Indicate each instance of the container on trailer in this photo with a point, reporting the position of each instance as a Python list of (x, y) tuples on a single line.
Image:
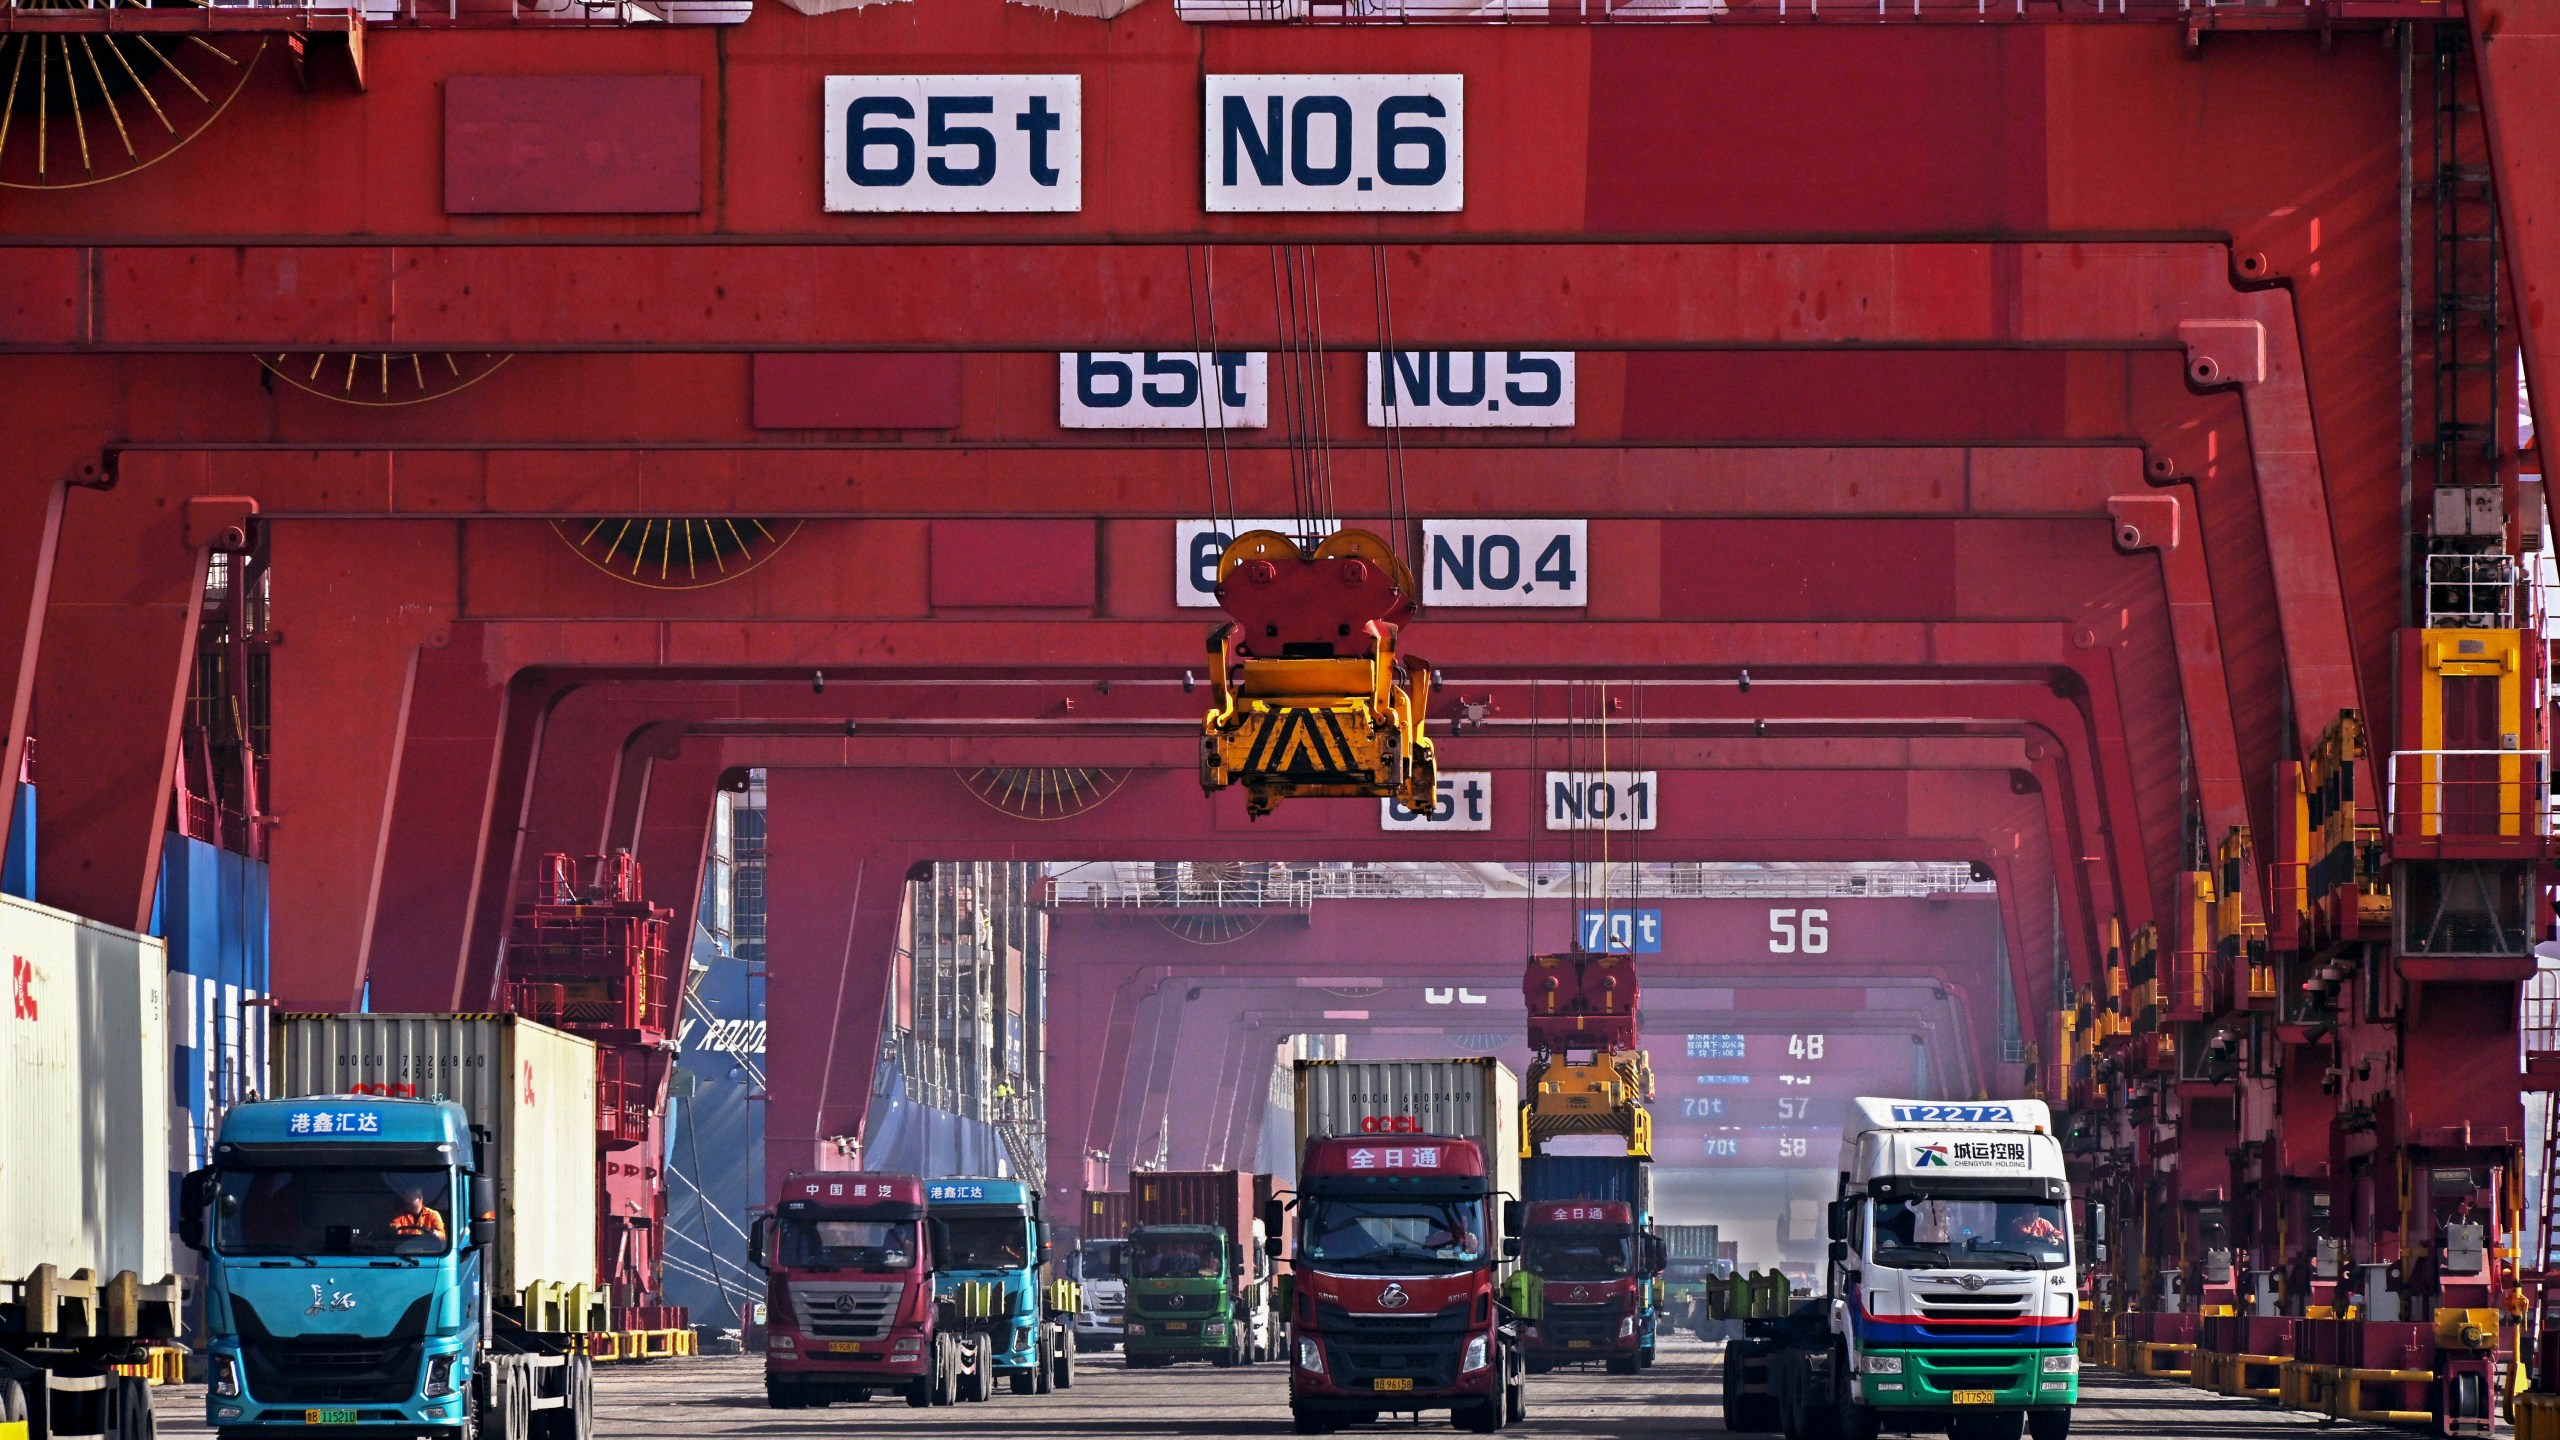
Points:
[(1223, 1198), (1106, 1215), (1265, 1186), (1589, 1177), (528, 1089), (1473, 1099), (1693, 1244), (84, 1097)]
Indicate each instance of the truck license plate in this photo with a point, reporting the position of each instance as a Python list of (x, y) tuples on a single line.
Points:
[(328, 1417), (1392, 1382), (1177, 1325), (1577, 1344), (844, 1347), (1977, 1397)]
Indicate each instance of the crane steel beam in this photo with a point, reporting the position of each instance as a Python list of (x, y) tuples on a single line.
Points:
[(836, 871), (1411, 943), (1589, 296), (601, 727)]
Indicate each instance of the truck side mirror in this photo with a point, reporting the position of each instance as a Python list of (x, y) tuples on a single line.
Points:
[(1657, 1255), (1275, 1222), (757, 1230), (1511, 1222), (1837, 1215), (1839, 1252), (195, 1196), (484, 1210)]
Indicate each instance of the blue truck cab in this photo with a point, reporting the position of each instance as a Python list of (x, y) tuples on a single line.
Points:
[(991, 1282), (346, 1244)]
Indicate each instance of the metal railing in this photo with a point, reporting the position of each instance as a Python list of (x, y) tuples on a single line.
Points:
[(2540, 1019), (2467, 794), (1542, 12), (102, 16), (2472, 591), (1142, 884)]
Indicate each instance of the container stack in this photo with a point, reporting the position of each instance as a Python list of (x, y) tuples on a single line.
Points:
[(592, 960)]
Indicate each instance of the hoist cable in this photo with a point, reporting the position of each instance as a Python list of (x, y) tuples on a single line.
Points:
[(1390, 404), (1202, 293)]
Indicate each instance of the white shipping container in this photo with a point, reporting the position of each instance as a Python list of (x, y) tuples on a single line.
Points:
[(84, 1097), (1475, 1099), (529, 1089)]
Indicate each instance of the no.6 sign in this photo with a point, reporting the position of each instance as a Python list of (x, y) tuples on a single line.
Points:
[(955, 143)]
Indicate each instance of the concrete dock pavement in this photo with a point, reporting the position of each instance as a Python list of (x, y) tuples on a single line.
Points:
[(716, 1397)]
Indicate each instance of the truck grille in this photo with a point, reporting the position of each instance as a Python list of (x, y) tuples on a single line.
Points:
[(1424, 1347), (1562, 1323), (847, 1310), (1998, 1371), (1988, 1316), (331, 1369)]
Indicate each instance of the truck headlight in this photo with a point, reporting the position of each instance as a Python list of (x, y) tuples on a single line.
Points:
[(1884, 1364), (1135, 1328), (781, 1342), (909, 1345), (440, 1374), (1215, 1329), (223, 1377), (1479, 1355), (1310, 1356), (1626, 1327), (2061, 1364)]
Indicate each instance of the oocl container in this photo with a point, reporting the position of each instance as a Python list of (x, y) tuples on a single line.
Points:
[(84, 1096), (528, 1089)]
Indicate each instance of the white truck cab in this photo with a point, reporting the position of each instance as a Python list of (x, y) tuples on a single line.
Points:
[(1951, 1283)]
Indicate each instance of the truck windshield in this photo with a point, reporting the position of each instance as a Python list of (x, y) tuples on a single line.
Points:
[(335, 1211), (1099, 1260), (1580, 1255), (848, 1244), (2006, 1234), (987, 1242), (1173, 1257), (1393, 1237)]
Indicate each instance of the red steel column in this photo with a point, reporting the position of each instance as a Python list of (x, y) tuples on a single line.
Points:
[(27, 537), (671, 838), (834, 892), (120, 634), (1088, 1041), (354, 601), (459, 713)]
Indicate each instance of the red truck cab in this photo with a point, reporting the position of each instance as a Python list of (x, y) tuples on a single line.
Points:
[(1592, 1262), (849, 1299), (1395, 1301)]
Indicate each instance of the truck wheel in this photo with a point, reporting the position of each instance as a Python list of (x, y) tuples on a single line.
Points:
[(1044, 1362), (1309, 1421), (920, 1392), (1859, 1422), (582, 1381), (1624, 1364), (946, 1370), (2049, 1424), (1065, 1379), (1482, 1418), (1515, 1401)]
